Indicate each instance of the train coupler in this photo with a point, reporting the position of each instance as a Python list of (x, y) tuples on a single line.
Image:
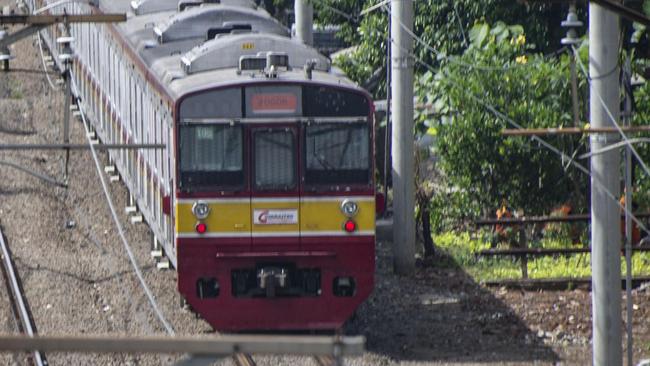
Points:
[(270, 278)]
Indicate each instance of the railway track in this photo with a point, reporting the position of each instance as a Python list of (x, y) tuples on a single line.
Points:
[(19, 305), (242, 359), (326, 361)]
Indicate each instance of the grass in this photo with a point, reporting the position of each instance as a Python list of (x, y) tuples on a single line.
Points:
[(462, 246)]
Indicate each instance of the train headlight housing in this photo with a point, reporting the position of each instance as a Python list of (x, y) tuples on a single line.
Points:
[(349, 208), (201, 210)]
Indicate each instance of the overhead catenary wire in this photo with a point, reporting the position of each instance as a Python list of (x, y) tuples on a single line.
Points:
[(40, 48), (565, 157), (618, 145), (441, 55), (613, 119), (120, 229)]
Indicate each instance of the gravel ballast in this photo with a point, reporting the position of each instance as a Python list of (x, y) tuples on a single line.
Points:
[(78, 280)]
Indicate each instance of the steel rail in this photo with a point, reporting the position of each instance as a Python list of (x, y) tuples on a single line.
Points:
[(243, 359), (326, 361), (23, 312)]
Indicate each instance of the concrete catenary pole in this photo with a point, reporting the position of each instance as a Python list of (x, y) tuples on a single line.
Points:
[(304, 12), (402, 140), (605, 213)]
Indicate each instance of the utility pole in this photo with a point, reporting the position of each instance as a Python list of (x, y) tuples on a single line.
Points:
[(605, 213), (304, 12), (403, 144)]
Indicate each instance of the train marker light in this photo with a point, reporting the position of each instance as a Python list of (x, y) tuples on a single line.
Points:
[(349, 208), (201, 210), (201, 228), (350, 226)]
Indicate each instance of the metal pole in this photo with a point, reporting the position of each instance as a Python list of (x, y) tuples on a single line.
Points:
[(628, 218), (18, 295), (304, 12), (67, 49), (403, 144), (387, 130), (574, 93), (66, 118), (605, 233)]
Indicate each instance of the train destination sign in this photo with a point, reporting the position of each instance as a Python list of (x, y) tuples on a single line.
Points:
[(275, 217), (274, 103)]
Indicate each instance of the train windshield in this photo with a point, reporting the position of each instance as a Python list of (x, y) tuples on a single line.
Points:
[(337, 153), (211, 157), (274, 160)]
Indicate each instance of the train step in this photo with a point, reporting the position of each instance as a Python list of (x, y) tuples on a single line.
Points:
[(136, 219), (163, 264)]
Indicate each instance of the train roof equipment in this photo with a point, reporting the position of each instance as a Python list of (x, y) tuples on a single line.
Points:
[(142, 7), (196, 21)]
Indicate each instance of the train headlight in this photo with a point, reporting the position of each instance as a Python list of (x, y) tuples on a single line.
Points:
[(349, 208), (201, 210)]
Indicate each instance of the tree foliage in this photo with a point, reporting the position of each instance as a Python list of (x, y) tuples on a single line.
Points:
[(500, 73), (444, 25)]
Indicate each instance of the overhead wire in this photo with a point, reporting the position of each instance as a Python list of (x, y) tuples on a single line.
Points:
[(442, 55), (75, 90), (539, 140), (120, 229), (611, 117), (47, 76)]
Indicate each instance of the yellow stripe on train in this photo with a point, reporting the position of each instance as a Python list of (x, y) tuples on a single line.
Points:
[(309, 217)]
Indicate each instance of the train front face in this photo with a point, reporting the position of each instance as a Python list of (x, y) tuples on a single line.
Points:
[(275, 208)]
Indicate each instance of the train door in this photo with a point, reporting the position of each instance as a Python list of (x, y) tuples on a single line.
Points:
[(275, 187)]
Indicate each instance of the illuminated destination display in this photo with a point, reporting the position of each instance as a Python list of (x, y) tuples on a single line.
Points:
[(274, 103)]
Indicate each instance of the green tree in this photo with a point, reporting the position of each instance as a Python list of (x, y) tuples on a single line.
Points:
[(500, 69), (443, 25)]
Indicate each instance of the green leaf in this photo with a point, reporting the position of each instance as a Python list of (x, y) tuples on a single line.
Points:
[(646, 7), (478, 34)]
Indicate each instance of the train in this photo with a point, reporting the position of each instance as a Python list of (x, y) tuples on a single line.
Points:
[(263, 199)]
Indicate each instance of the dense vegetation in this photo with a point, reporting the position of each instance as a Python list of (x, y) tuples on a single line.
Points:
[(482, 66)]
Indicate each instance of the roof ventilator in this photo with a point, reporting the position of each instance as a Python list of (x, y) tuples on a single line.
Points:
[(275, 61), (186, 4), (228, 28), (251, 63), (309, 67)]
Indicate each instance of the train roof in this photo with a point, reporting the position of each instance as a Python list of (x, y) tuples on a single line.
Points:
[(202, 46)]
